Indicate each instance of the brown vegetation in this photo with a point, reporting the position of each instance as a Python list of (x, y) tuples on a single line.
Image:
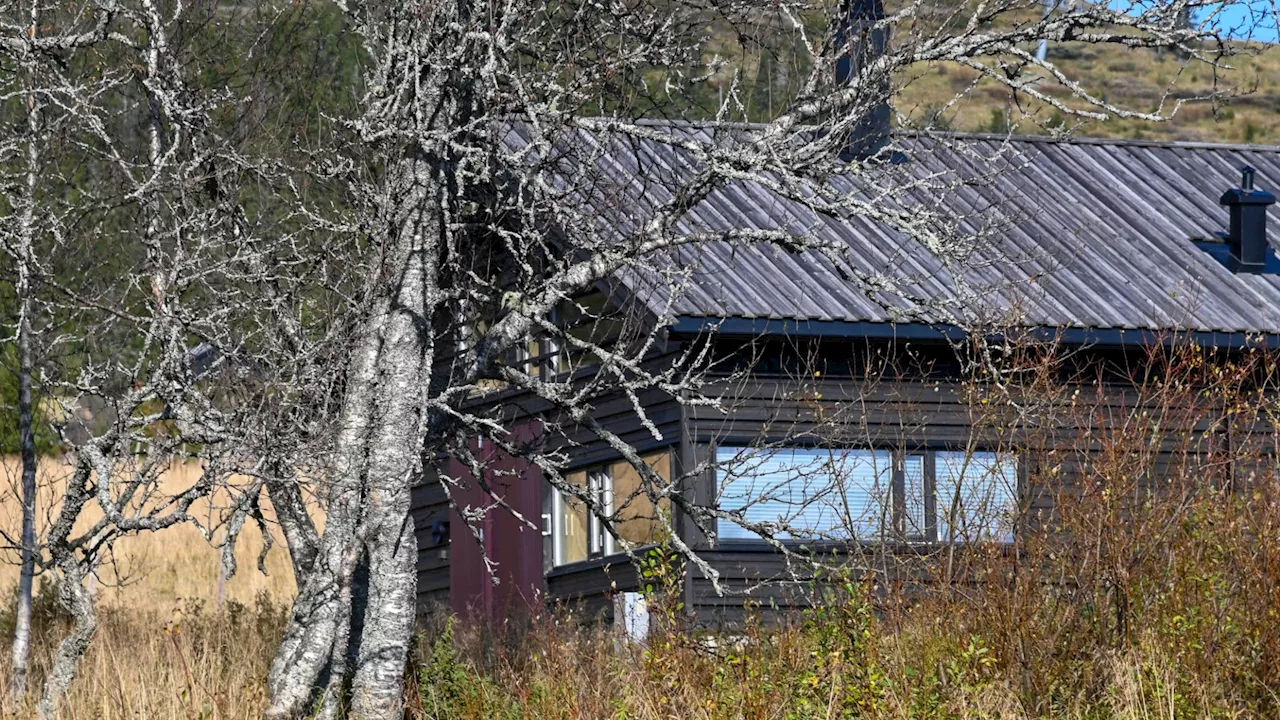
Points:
[(1249, 112), (153, 571)]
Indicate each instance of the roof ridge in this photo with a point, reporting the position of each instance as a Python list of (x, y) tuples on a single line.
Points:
[(1000, 137)]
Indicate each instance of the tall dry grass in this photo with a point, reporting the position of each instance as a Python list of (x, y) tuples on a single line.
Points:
[(154, 571), (177, 639), (191, 661)]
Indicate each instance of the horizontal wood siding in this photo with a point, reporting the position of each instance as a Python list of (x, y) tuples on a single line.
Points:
[(936, 414), (429, 505), (617, 414)]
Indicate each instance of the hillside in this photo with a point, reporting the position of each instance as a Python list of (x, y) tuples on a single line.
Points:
[(1136, 79), (769, 66)]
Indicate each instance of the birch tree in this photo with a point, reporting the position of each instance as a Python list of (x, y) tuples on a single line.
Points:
[(132, 263), (311, 265)]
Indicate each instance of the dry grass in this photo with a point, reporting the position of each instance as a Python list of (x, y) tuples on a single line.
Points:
[(172, 644), (190, 662), (1134, 79), (154, 571), (935, 662)]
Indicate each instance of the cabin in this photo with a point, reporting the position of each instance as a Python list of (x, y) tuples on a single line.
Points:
[(1103, 249)]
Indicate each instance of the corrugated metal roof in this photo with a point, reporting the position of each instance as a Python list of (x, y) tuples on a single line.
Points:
[(1084, 233)]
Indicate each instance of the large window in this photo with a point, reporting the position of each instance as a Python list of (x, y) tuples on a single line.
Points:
[(977, 495), (572, 534), (806, 492), (862, 494)]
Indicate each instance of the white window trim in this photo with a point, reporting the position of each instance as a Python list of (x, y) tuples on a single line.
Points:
[(600, 540), (557, 527)]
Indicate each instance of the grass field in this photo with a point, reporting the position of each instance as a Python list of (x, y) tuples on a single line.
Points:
[(155, 571), (174, 641)]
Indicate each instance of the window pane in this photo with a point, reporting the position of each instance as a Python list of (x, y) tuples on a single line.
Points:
[(913, 489), (572, 530), (977, 496), (637, 519), (602, 495), (813, 493), (571, 524)]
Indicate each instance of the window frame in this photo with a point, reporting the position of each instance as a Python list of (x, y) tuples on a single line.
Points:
[(897, 500), (600, 542)]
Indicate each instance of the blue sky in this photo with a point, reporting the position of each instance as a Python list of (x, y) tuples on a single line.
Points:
[(1242, 19), (1252, 20)]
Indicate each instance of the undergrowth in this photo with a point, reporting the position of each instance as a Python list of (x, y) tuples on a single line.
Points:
[(1188, 632)]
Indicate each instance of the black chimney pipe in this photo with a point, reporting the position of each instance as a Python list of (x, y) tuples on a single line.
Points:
[(1247, 240), (858, 42)]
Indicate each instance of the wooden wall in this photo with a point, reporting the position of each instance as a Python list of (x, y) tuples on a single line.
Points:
[(429, 506), (615, 412), (928, 409)]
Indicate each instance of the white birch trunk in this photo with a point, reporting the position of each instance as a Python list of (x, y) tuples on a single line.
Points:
[(26, 408), (27, 571), (380, 447), (395, 457), (313, 625)]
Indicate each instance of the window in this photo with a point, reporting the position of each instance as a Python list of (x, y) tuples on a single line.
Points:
[(572, 534), (566, 526), (600, 487), (843, 494), (575, 532), (976, 496), (539, 354), (820, 493)]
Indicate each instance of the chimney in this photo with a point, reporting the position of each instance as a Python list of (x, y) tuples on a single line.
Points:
[(1247, 240), (858, 42)]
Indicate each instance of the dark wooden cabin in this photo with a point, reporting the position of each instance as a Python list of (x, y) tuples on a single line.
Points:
[(1104, 248)]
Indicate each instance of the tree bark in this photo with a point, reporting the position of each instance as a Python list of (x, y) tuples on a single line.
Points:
[(380, 449), (27, 571), (75, 598), (396, 452), (313, 625), (26, 414), (298, 528)]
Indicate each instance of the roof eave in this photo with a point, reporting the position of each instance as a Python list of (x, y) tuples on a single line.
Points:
[(907, 331)]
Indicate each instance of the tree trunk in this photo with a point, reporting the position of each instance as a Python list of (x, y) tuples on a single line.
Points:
[(387, 635), (298, 528), (75, 598), (313, 625), (380, 448), (26, 413), (27, 572), (396, 452)]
